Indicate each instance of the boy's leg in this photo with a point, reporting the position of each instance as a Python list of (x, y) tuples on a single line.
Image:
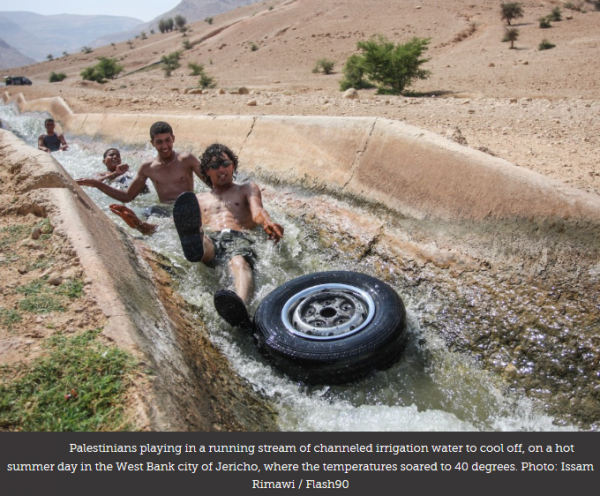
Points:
[(242, 277), (230, 305)]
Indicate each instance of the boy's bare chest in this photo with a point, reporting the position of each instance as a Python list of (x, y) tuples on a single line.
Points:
[(174, 172), (231, 202)]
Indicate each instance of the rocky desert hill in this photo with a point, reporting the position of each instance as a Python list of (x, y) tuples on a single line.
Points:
[(539, 109), (11, 57), (38, 36)]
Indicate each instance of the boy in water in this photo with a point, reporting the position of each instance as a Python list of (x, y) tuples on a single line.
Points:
[(171, 174), (214, 225), (51, 142)]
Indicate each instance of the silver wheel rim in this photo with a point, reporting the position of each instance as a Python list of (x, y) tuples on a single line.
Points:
[(328, 311)]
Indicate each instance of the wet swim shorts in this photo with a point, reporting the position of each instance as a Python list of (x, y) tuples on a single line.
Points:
[(229, 243)]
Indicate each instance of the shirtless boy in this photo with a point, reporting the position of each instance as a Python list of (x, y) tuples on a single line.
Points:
[(51, 141), (170, 172), (116, 173), (214, 225)]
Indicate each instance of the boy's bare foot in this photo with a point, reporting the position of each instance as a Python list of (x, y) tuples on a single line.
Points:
[(131, 219)]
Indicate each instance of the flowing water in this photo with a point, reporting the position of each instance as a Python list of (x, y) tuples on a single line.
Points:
[(432, 388)]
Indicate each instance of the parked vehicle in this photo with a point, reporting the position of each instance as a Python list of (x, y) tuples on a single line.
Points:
[(17, 80)]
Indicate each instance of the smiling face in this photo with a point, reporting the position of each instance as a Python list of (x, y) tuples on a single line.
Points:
[(220, 170), (163, 143), (112, 158)]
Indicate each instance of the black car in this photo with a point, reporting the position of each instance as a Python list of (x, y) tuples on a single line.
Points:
[(17, 80)]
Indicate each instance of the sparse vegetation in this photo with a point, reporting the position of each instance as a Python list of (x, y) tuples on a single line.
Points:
[(50, 56), (512, 35), (65, 53), (392, 67), (325, 65), (180, 21), (556, 14), (209, 20), (106, 68), (206, 81), (143, 35), (465, 33), (78, 385), (187, 45), (171, 62), (197, 69), (545, 45), (545, 22), (130, 43), (572, 6), (57, 77), (510, 11), (166, 25), (87, 49), (596, 4), (354, 74), (253, 46), (9, 317)]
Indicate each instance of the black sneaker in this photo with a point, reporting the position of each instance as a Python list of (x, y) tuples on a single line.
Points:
[(232, 309), (188, 221)]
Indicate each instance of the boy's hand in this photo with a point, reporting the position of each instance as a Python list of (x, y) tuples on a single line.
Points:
[(274, 231)]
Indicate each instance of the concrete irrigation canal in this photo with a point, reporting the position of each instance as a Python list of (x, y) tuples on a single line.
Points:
[(499, 269)]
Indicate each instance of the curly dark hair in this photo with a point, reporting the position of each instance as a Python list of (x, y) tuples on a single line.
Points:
[(215, 152), (160, 127)]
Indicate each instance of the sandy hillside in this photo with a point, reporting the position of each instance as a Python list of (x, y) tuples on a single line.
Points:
[(538, 109)]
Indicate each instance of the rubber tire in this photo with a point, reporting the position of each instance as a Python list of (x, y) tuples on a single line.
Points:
[(379, 345)]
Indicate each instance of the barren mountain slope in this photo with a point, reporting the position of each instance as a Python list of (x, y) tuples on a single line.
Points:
[(538, 109)]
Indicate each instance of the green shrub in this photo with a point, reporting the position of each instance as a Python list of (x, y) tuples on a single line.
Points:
[(180, 21), (545, 45), (325, 65), (197, 69), (206, 81), (87, 49), (209, 20), (253, 46), (545, 22), (392, 67), (510, 11), (106, 68), (555, 15), (354, 74), (512, 35), (187, 45), (171, 62), (165, 25), (57, 77)]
